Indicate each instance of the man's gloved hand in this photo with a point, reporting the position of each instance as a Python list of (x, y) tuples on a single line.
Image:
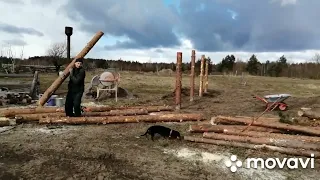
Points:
[(61, 74)]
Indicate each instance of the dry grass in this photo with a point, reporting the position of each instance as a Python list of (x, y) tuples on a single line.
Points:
[(227, 95), (114, 151), (152, 85)]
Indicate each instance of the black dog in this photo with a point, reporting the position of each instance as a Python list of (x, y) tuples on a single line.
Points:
[(163, 131)]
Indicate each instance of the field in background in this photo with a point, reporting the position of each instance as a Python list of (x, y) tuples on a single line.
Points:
[(116, 151), (225, 92)]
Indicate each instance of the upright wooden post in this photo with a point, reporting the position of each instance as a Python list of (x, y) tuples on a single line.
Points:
[(56, 84), (201, 76), (34, 90), (193, 62), (178, 80), (206, 77)]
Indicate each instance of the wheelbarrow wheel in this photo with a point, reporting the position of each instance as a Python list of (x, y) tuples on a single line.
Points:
[(283, 107)]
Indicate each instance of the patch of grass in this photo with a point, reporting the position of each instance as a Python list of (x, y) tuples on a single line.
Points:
[(152, 83), (240, 152)]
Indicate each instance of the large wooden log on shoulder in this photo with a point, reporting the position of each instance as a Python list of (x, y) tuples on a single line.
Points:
[(56, 84), (264, 140), (292, 128), (123, 119), (227, 128), (289, 151), (36, 117)]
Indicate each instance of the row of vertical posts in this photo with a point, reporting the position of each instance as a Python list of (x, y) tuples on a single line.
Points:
[(204, 70)]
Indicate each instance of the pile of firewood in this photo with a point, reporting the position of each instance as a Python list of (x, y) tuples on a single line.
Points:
[(97, 115), (265, 133), (21, 98)]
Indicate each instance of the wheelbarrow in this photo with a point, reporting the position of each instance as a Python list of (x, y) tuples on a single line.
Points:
[(274, 101)]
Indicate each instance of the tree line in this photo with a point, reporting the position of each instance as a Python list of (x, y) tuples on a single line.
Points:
[(56, 56)]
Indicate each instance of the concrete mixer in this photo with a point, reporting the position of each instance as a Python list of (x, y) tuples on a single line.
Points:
[(106, 81)]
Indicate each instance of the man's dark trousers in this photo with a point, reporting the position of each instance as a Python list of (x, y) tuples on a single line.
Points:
[(73, 100)]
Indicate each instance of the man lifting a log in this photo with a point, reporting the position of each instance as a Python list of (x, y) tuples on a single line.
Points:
[(75, 89)]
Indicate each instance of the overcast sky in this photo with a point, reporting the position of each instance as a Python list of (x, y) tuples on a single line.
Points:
[(144, 30)]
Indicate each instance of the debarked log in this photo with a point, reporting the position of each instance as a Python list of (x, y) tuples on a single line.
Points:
[(118, 112), (289, 151), (224, 120), (264, 140), (227, 128), (311, 114), (274, 135), (35, 117), (123, 119), (12, 112), (281, 126), (56, 84)]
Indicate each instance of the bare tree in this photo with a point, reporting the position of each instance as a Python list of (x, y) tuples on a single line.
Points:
[(316, 58), (11, 55), (8, 52), (1, 52), (22, 53), (57, 51)]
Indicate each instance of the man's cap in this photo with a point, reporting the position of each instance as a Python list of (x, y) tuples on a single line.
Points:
[(80, 60)]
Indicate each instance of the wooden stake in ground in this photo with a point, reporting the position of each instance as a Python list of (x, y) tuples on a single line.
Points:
[(206, 82), (289, 151), (178, 80), (123, 119), (34, 90), (56, 84), (201, 75), (193, 62)]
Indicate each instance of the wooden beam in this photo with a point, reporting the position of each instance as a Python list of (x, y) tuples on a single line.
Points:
[(56, 84)]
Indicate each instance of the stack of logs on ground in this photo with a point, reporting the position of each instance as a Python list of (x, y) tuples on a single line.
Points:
[(95, 115), (264, 134)]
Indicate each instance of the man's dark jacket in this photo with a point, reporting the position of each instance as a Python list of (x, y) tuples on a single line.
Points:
[(76, 82)]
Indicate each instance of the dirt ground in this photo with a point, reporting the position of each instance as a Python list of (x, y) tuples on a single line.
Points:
[(116, 151)]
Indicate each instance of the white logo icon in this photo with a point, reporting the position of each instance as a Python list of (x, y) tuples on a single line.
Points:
[(230, 164)]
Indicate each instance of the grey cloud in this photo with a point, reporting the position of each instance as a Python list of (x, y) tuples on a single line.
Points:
[(147, 23), (13, 1), (8, 28), (41, 2), (15, 42), (260, 25)]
